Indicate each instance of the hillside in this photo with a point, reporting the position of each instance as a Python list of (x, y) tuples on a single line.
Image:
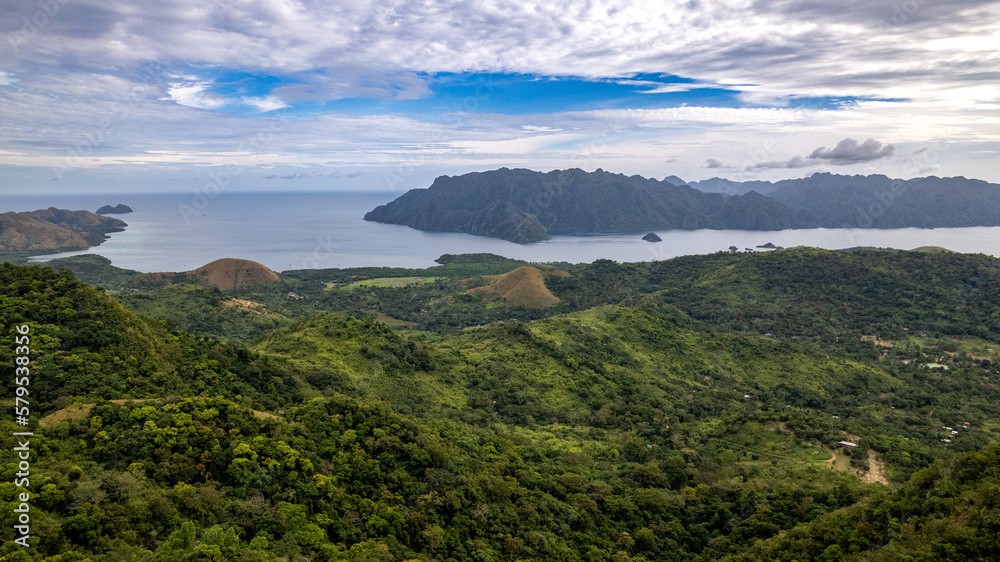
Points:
[(525, 286), (618, 431), (86, 344), (811, 294), (835, 201), (229, 273), (525, 206), (647, 429), (53, 230), (226, 274)]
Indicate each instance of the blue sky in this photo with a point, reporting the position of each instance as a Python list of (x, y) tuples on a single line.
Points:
[(448, 93), (301, 95)]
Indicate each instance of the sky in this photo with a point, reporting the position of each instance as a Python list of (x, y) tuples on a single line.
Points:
[(99, 96)]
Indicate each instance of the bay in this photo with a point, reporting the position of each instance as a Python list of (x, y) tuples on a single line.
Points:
[(177, 232)]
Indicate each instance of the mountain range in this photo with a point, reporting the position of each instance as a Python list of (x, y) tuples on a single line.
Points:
[(525, 206)]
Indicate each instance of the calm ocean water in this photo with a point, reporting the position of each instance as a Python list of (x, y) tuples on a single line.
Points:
[(322, 230)]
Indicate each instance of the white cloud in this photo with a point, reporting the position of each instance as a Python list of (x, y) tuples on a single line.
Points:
[(193, 94), (265, 104)]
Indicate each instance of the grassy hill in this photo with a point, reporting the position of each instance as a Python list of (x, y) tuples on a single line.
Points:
[(525, 286)]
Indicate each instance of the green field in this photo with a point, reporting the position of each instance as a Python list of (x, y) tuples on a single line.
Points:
[(391, 282)]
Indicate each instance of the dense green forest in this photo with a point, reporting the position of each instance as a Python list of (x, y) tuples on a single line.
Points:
[(689, 409)]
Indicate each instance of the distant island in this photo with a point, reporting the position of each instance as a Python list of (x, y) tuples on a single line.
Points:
[(525, 206), (116, 210), (652, 237), (52, 230)]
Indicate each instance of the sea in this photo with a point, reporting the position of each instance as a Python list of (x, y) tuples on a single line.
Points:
[(285, 231)]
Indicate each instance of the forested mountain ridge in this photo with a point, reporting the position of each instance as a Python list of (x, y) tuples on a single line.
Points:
[(797, 292), (645, 416), (877, 201), (525, 206)]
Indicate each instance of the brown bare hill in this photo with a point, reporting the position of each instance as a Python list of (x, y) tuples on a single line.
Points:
[(525, 286), (231, 273)]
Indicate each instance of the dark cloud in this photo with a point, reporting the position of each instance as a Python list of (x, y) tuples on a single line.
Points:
[(44, 20), (794, 162), (914, 13), (713, 163), (848, 151)]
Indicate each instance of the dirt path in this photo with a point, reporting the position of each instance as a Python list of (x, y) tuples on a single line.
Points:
[(832, 458), (876, 470)]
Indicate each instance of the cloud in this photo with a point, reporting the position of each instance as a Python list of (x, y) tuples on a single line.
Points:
[(715, 164), (194, 94), (780, 47), (848, 151), (662, 88), (265, 104), (87, 66), (794, 162)]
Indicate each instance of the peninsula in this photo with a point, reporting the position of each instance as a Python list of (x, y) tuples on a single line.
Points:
[(52, 230)]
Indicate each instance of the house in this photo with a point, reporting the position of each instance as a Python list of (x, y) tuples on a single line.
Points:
[(847, 443)]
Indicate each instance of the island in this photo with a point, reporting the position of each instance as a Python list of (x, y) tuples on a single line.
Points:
[(52, 230), (116, 210), (526, 206), (652, 237)]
